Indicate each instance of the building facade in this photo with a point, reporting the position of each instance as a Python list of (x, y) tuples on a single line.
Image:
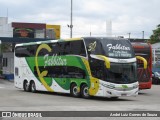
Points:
[(20, 32)]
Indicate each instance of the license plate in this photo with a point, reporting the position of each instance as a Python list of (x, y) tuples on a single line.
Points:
[(124, 94)]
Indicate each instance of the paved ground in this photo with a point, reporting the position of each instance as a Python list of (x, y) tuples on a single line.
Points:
[(13, 99)]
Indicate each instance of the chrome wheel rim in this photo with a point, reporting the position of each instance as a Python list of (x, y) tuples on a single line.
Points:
[(33, 87), (75, 90), (85, 91)]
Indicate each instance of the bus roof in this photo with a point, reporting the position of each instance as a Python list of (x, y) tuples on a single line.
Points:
[(106, 38), (71, 39), (47, 41)]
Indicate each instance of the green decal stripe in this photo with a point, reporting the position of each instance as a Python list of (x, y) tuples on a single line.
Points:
[(63, 82)]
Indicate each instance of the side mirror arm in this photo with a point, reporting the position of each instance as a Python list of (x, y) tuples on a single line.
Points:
[(106, 60)]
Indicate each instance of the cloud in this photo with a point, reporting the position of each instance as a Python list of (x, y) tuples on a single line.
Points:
[(132, 16)]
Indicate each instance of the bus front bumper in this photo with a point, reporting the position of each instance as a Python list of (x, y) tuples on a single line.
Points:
[(116, 93), (118, 90)]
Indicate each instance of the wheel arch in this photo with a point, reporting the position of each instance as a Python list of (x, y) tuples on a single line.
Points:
[(83, 83), (72, 83), (31, 81)]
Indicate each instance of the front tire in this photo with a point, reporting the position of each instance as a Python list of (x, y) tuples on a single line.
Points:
[(33, 87), (74, 90), (85, 91)]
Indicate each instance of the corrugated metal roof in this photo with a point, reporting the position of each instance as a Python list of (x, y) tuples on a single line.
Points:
[(28, 25)]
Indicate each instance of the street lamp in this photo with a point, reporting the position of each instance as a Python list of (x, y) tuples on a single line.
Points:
[(71, 25)]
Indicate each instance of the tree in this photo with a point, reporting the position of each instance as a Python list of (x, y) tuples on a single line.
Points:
[(6, 47), (155, 37)]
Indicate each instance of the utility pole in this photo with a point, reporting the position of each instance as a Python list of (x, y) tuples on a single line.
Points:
[(142, 34), (71, 26)]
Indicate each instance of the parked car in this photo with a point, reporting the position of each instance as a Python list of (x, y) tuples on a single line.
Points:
[(156, 77)]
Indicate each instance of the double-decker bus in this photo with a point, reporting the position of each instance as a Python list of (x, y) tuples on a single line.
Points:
[(144, 75), (88, 66)]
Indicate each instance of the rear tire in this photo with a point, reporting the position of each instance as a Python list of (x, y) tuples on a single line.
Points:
[(33, 87), (26, 86), (85, 91), (74, 90)]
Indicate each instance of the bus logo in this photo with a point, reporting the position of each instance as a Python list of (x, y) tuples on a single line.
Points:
[(92, 46)]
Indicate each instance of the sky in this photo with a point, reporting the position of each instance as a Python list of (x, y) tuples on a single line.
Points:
[(89, 16)]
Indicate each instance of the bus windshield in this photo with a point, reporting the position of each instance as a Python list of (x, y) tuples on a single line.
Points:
[(122, 73)]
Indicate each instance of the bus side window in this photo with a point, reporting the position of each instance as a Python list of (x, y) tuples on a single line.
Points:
[(77, 48), (31, 50), (21, 51), (16, 71), (67, 49), (42, 52), (60, 48), (25, 51), (55, 49)]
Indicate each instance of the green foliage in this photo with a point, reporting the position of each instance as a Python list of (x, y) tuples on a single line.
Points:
[(155, 37), (5, 47)]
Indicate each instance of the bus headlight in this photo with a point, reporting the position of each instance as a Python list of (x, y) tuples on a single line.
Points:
[(111, 86)]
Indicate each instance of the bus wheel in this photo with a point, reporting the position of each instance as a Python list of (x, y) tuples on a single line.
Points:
[(33, 87), (74, 90), (85, 91), (26, 86)]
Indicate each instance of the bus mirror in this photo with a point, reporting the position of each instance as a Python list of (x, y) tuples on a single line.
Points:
[(144, 61), (106, 60)]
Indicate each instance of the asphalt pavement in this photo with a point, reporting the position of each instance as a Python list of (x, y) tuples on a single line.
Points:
[(13, 99)]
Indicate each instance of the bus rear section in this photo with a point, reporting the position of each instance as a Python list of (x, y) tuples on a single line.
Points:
[(144, 75)]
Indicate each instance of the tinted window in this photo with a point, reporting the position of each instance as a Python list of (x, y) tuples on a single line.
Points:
[(94, 46), (25, 51), (62, 72), (110, 47), (42, 52), (78, 48), (69, 48), (59, 48), (122, 73)]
